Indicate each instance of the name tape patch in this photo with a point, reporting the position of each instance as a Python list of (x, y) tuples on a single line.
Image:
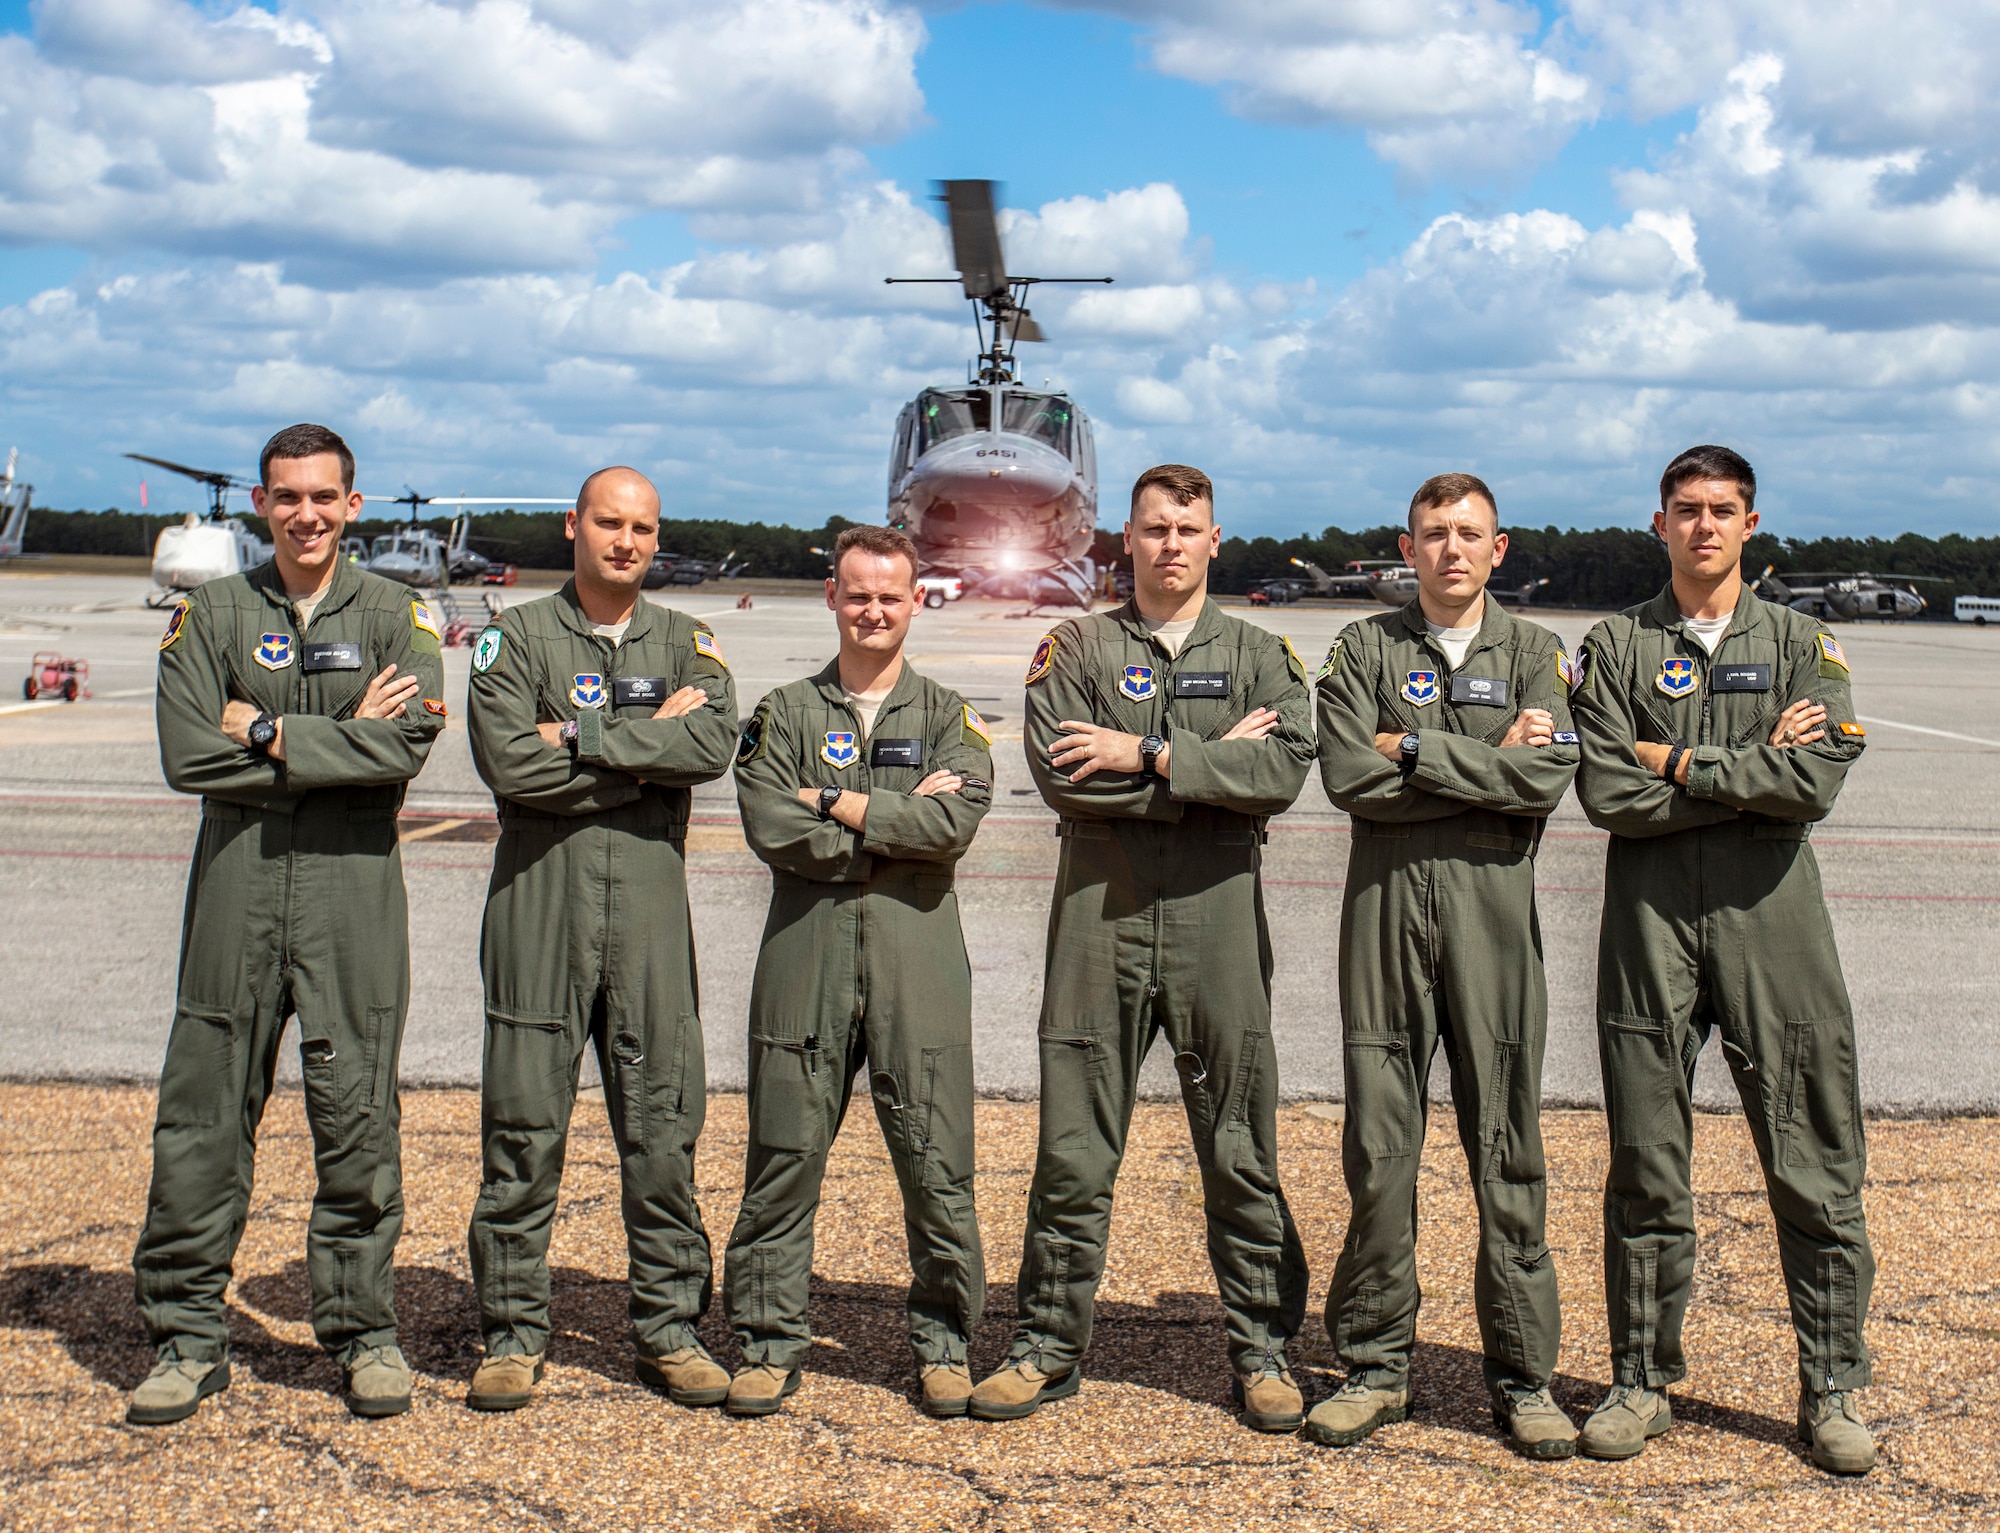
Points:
[(1740, 678), (902, 753), (1490, 690), (331, 655), (1202, 684), (629, 690)]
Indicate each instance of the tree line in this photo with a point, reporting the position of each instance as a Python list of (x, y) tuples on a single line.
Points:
[(1602, 568)]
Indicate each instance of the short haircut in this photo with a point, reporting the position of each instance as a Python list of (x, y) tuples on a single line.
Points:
[(1710, 462), (886, 542), (306, 441), (1449, 490), (1183, 484), (583, 491)]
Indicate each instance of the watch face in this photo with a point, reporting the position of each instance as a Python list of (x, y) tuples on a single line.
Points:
[(263, 732)]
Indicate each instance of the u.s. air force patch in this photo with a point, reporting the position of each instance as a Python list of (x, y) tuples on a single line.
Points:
[(975, 726), (841, 749), (274, 651), (704, 644), (1677, 677), (174, 625), (487, 650), (1045, 657)]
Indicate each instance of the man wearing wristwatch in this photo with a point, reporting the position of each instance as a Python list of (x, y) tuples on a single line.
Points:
[(297, 699), (861, 787), (593, 713), (1444, 732), (1717, 728), (1165, 734)]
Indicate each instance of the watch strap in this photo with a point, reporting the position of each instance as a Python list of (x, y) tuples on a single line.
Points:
[(1674, 763)]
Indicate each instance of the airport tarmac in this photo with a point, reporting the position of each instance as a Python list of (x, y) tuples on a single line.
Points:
[(96, 847)]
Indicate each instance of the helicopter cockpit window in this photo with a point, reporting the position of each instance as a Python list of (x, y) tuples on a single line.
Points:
[(1038, 416), (944, 416)]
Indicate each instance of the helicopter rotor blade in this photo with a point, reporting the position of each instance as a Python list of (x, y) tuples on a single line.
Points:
[(975, 237), (1025, 328), (206, 476)]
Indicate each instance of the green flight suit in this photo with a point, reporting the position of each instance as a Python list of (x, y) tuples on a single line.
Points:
[(1157, 925), (295, 903), (1440, 943), (862, 962), (586, 941), (1713, 917)]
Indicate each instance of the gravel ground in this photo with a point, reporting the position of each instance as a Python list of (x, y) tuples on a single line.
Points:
[(1149, 1443)]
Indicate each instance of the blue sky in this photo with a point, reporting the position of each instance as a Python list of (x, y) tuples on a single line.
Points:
[(1355, 245)]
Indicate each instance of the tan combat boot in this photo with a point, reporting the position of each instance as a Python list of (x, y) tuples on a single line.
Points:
[(947, 1388), (1536, 1426), (1629, 1417), (1270, 1400), (1020, 1389), (505, 1383), (1355, 1410), (1831, 1424), (760, 1389), (689, 1376), (378, 1382), (174, 1388)]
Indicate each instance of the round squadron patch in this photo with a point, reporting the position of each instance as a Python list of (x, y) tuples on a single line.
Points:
[(1045, 657), (751, 741), (174, 625), (487, 650)]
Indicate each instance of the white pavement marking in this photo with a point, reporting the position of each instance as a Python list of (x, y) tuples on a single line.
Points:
[(1924, 729), (57, 702)]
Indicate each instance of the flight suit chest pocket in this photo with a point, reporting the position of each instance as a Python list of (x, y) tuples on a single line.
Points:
[(336, 673), (640, 694)]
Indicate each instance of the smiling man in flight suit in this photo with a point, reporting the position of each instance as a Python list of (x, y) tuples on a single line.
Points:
[(1165, 734), (1444, 731), (862, 787), (1717, 728), (593, 713), (297, 699)]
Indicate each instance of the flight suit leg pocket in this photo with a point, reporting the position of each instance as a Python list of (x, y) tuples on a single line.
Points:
[(198, 1075), (788, 1078), (525, 1071), (1510, 1123), (1382, 1114), (1642, 1072), (1073, 1072), (944, 1118), (644, 1060), (1819, 1106)]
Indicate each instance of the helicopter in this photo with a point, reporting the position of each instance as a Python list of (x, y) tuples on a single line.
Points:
[(1356, 577), (996, 482), (14, 498), (412, 556), (1844, 596), (201, 548)]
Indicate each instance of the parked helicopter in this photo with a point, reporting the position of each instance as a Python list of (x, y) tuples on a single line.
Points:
[(994, 482), (14, 500), (1355, 578), (412, 556), (201, 548), (1843, 596)]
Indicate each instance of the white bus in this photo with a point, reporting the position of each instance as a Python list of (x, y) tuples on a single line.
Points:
[(1977, 609)]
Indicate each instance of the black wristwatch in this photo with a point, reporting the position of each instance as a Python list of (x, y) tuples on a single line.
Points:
[(263, 733), (1149, 755), (829, 795), (1408, 752), (1673, 764)]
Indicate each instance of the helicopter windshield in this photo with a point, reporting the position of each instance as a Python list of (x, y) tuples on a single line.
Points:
[(394, 543), (1038, 416), (944, 416)]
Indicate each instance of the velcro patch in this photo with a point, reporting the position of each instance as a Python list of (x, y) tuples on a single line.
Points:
[(174, 625), (1565, 672), (704, 644), (432, 705), (1855, 731), (424, 618), (975, 725), (1292, 661), (1045, 658), (1330, 666), (1832, 658)]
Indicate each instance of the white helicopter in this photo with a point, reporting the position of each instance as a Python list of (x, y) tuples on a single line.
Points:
[(994, 482), (414, 557), (14, 500), (202, 548)]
